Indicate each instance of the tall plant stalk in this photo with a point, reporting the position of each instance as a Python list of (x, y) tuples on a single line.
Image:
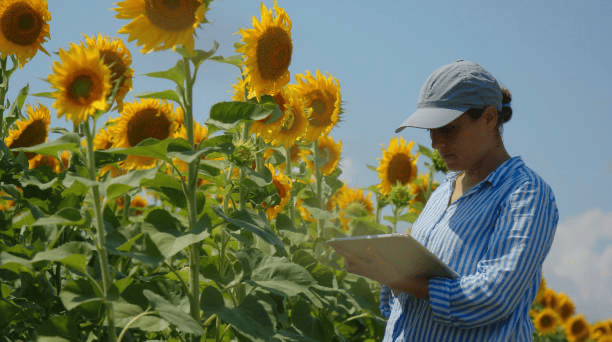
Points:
[(100, 234), (288, 173), (192, 184), (319, 185)]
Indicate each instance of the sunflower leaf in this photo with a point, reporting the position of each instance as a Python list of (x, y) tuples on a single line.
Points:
[(48, 95), (175, 74), (235, 60), (170, 95), (14, 111), (68, 142), (251, 222), (227, 115)]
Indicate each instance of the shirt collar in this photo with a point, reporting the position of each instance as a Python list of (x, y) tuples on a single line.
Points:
[(498, 174)]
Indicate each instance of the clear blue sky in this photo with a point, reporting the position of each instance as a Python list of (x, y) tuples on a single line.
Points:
[(551, 55)]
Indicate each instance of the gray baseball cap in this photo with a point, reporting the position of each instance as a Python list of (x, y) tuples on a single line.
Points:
[(450, 91)]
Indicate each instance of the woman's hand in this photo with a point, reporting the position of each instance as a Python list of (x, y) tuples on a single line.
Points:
[(385, 273)]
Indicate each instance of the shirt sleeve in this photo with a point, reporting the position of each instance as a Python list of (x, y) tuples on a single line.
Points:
[(385, 301), (520, 241)]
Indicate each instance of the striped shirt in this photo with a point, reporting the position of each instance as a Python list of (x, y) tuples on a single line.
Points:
[(495, 236)]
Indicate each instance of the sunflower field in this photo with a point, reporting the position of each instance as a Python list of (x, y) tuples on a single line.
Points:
[(142, 224)]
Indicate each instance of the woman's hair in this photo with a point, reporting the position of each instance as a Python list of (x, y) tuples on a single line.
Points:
[(504, 116)]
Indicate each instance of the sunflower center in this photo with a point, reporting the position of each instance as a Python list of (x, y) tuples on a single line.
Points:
[(547, 321), (399, 170), (81, 87), (147, 123), (33, 134), (171, 15), (274, 50), (114, 62), (318, 116), (21, 24)]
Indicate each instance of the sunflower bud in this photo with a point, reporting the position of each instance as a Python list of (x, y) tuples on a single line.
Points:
[(438, 162), (401, 195)]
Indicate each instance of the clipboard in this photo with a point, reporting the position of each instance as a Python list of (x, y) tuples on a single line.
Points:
[(410, 257)]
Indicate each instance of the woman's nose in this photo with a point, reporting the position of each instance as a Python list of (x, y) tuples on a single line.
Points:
[(436, 139)]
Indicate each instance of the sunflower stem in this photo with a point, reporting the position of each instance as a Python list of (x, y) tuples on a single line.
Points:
[(3, 91), (192, 183), (396, 210), (319, 185), (288, 172), (101, 246)]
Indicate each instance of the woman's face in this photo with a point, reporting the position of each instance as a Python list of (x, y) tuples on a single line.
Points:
[(464, 142)]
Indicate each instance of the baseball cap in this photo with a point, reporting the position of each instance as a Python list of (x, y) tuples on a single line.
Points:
[(452, 90)]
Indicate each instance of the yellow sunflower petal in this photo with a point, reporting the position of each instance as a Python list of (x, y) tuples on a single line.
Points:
[(118, 59), (267, 49), (329, 154), (82, 83), (161, 24), (140, 120), (283, 185), (24, 27), (397, 165), (349, 197), (322, 99), (577, 329)]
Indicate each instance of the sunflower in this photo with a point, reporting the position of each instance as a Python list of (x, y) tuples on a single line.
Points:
[(41, 160), (82, 83), (322, 100), (398, 165), (24, 27), (118, 59), (140, 120), (240, 90), (161, 24), (550, 299), (329, 154), (577, 329), (418, 188), (351, 197), (565, 308), (283, 185), (600, 329), (304, 213), (546, 321), (5, 202), (102, 140), (32, 131), (138, 202), (290, 127), (267, 49)]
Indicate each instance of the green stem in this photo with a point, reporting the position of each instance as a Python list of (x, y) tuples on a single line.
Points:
[(3, 91), (319, 185), (190, 194), (395, 216), (101, 246), (288, 173)]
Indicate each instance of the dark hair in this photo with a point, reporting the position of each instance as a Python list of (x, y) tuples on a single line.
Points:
[(504, 116)]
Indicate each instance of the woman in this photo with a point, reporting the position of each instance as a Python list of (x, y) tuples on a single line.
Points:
[(492, 221)]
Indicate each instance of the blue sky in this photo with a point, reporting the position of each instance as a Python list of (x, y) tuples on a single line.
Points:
[(551, 55)]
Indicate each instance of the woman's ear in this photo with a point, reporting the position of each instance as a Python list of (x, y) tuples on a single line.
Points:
[(491, 117)]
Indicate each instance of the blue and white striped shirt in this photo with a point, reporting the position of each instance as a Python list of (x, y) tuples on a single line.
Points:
[(495, 236)]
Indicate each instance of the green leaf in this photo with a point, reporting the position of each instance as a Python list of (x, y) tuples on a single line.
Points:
[(251, 222), (175, 74), (170, 95), (171, 241), (7, 312), (251, 318), (173, 315), (48, 95), (59, 327), (14, 263), (198, 56), (14, 110), (69, 142), (227, 115), (125, 312), (79, 292), (73, 254), (116, 187), (235, 60), (66, 216)]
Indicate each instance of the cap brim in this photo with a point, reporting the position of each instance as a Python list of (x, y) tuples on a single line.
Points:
[(431, 117)]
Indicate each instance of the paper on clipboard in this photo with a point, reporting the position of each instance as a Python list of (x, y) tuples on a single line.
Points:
[(410, 257)]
